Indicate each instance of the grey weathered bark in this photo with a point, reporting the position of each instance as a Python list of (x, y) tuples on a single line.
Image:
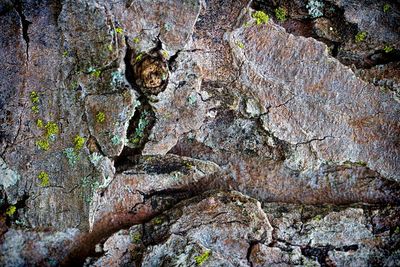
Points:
[(239, 133)]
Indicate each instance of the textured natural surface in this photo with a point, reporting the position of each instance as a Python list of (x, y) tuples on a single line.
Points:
[(199, 132)]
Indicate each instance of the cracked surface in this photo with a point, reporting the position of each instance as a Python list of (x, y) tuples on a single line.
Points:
[(145, 115)]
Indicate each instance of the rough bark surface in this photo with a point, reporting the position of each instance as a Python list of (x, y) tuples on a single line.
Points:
[(197, 132)]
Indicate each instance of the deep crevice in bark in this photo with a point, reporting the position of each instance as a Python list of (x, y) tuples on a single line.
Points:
[(25, 25), (140, 124)]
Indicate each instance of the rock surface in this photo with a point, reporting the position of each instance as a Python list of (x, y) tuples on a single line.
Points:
[(199, 133)]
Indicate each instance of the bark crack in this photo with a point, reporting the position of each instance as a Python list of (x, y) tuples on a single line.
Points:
[(25, 26)]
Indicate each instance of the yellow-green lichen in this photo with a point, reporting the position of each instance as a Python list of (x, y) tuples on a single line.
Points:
[(39, 123), (34, 97), (136, 40), (44, 178), (11, 210), (202, 258), (386, 7), (280, 14), (361, 36), (138, 57), (100, 117), (43, 144), (35, 109), (119, 30), (165, 54), (158, 220), (240, 44), (95, 72), (110, 47), (79, 142), (188, 165), (51, 129), (388, 48), (317, 218), (136, 238), (247, 24), (260, 17)]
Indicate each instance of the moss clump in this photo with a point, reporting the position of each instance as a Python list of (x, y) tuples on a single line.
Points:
[(11, 210), (100, 117), (202, 258), (280, 14), (361, 36), (79, 142), (43, 144), (43, 178), (260, 17)]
